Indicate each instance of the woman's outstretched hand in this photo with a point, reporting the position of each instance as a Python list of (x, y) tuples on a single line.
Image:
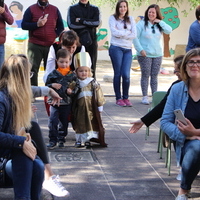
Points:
[(55, 96), (136, 126)]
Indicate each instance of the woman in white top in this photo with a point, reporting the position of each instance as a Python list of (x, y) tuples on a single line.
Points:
[(123, 31)]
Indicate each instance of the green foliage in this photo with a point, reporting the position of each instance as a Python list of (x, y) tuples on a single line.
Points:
[(134, 4), (112, 3)]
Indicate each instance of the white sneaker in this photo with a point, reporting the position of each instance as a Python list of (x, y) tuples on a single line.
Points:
[(182, 197), (178, 177), (54, 186), (145, 100)]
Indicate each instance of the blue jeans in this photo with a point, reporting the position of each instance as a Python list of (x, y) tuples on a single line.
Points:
[(2, 54), (58, 114), (27, 176), (190, 163), (121, 61)]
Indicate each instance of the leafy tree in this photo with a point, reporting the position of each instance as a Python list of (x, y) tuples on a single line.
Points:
[(137, 3)]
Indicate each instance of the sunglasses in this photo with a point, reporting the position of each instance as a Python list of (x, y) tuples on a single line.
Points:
[(153, 29), (125, 26), (31, 74)]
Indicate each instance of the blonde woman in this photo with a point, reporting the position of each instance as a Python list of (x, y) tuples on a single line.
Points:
[(27, 170)]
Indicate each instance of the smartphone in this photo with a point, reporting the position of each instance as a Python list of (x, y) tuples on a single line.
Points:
[(2, 3), (46, 15), (180, 116)]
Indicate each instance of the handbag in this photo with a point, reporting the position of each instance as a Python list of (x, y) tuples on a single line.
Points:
[(85, 38), (5, 180)]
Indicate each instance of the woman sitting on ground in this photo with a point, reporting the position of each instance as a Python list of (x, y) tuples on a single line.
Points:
[(27, 170)]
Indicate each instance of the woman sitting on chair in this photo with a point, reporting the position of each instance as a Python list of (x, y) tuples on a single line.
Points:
[(185, 96)]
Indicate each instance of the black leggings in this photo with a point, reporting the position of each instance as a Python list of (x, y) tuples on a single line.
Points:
[(37, 137)]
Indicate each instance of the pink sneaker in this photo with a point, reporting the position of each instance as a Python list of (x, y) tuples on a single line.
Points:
[(120, 102), (128, 103)]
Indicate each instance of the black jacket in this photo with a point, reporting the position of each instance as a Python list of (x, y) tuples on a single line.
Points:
[(66, 82), (156, 112), (89, 18)]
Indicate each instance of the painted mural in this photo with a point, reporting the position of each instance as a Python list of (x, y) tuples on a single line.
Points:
[(17, 38)]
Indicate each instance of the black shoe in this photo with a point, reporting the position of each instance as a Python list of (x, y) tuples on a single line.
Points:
[(51, 145), (87, 145), (77, 145), (61, 144)]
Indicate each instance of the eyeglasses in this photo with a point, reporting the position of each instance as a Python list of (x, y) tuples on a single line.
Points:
[(191, 63), (31, 74), (153, 29), (176, 71)]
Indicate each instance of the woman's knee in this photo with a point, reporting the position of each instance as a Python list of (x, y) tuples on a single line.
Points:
[(38, 169), (194, 147)]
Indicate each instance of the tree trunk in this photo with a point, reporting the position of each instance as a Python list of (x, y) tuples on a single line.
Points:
[(166, 45)]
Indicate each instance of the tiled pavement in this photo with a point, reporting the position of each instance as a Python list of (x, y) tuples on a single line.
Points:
[(129, 168)]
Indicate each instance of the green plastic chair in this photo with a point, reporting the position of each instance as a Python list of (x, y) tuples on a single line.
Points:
[(156, 99)]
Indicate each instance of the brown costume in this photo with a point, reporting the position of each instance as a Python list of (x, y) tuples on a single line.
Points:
[(86, 116)]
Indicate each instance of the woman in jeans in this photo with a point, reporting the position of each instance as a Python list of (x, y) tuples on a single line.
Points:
[(123, 31), (148, 45), (15, 115), (185, 95)]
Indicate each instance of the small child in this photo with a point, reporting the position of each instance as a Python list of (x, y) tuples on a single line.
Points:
[(87, 105), (66, 84)]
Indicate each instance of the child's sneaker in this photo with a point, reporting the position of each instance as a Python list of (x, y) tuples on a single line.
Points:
[(77, 145), (121, 103), (54, 186), (61, 144), (51, 145), (128, 103), (87, 145)]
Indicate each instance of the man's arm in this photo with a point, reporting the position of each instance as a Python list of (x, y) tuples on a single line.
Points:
[(74, 22), (27, 23), (8, 18), (95, 21), (59, 24)]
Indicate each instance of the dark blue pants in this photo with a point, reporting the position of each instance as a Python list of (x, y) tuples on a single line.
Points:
[(27, 176), (58, 114)]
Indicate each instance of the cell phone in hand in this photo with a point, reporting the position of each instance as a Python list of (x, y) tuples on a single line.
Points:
[(46, 15), (2, 3), (180, 116)]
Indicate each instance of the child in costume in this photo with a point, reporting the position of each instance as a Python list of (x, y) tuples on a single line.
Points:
[(88, 105), (66, 84)]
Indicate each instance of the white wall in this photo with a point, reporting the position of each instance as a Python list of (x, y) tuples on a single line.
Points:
[(178, 36)]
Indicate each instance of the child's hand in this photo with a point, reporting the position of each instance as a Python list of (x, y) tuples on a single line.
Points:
[(69, 91), (34, 108), (57, 86)]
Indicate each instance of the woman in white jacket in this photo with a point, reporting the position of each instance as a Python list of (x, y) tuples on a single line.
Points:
[(123, 31)]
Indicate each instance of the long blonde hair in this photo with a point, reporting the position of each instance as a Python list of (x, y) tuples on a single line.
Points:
[(15, 76)]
